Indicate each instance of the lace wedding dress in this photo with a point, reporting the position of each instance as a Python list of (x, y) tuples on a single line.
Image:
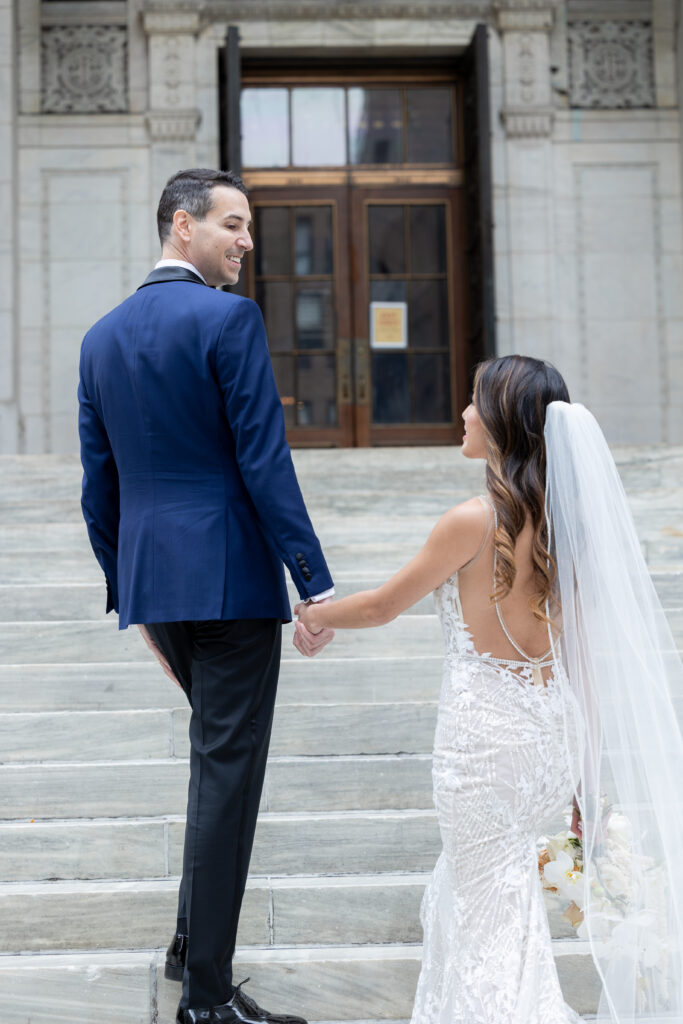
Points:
[(500, 771)]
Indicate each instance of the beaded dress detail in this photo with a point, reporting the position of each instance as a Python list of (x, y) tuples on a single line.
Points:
[(500, 771)]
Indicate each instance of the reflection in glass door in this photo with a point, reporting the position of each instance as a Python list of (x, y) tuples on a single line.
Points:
[(408, 265), (361, 312), (295, 290), (407, 311)]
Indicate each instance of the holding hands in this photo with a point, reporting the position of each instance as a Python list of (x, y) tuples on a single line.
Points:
[(309, 636)]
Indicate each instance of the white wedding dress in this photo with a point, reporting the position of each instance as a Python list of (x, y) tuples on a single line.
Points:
[(500, 771)]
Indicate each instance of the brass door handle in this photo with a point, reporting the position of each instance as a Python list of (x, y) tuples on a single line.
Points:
[(362, 374), (344, 375)]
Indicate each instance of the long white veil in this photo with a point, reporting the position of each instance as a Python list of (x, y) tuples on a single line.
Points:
[(623, 669)]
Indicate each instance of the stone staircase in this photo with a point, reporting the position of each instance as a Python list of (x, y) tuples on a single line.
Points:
[(93, 752)]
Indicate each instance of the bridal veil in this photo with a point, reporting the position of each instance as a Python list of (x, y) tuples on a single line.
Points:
[(623, 669)]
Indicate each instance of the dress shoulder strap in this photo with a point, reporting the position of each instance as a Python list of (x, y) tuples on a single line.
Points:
[(487, 533), (486, 500)]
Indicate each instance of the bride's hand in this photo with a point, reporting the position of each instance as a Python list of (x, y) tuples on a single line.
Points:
[(306, 614), (309, 637)]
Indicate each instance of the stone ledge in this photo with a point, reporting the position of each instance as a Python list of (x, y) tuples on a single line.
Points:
[(178, 125), (340, 983)]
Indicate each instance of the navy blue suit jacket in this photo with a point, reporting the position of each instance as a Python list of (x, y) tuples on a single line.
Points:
[(189, 493)]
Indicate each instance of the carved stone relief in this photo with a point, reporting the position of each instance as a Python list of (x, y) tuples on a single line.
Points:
[(611, 64), (287, 10), (528, 110), (173, 67), (526, 71), (84, 69)]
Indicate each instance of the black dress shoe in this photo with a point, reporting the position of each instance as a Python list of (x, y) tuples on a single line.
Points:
[(239, 1009), (175, 957), (249, 1012)]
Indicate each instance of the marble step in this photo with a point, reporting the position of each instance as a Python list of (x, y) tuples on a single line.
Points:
[(337, 843), (342, 983), (290, 911), (322, 470), (657, 517), (49, 642), (102, 641), (104, 686), (43, 541), (354, 555), (362, 557), (310, 729), (299, 730), (350, 909), (32, 602), (157, 787), (358, 557)]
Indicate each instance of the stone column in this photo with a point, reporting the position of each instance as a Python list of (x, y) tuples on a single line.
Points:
[(526, 313), (9, 439), (172, 116)]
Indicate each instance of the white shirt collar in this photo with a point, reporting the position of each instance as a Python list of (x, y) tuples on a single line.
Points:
[(179, 263)]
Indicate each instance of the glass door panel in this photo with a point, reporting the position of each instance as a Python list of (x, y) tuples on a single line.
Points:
[(302, 288), (407, 263), (327, 263)]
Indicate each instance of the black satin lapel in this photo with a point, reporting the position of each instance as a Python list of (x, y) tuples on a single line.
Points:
[(164, 274)]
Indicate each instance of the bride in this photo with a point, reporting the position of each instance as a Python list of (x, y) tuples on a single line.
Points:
[(556, 686)]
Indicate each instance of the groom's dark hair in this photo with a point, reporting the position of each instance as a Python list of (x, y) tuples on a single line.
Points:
[(192, 190)]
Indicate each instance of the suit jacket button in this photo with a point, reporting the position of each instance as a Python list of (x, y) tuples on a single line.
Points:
[(308, 575), (299, 556)]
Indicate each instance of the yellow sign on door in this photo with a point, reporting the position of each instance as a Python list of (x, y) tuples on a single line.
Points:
[(388, 325)]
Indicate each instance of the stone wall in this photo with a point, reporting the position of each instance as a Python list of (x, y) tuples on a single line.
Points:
[(115, 95), (589, 240), (8, 207)]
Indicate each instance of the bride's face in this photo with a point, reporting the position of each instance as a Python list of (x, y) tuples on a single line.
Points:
[(474, 440)]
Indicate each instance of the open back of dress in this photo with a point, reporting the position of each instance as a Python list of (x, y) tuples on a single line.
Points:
[(500, 773)]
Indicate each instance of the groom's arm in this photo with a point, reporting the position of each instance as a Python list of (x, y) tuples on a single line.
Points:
[(100, 492), (254, 411)]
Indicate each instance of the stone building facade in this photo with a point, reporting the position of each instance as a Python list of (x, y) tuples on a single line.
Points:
[(104, 99)]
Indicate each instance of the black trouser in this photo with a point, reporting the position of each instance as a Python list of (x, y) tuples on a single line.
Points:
[(229, 672)]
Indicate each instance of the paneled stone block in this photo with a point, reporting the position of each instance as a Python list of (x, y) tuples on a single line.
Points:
[(84, 69), (611, 64)]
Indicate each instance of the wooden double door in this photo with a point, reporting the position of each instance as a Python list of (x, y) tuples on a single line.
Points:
[(363, 294)]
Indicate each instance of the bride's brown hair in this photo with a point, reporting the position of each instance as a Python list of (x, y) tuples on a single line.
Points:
[(511, 395)]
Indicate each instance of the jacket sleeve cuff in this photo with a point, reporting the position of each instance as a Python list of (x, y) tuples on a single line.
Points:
[(112, 599)]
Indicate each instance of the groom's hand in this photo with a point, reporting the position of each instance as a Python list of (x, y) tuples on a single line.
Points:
[(307, 642)]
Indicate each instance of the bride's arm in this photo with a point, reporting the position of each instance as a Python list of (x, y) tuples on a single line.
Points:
[(453, 541)]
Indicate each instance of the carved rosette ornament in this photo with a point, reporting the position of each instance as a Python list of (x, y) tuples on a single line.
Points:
[(84, 69), (611, 64), (525, 30)]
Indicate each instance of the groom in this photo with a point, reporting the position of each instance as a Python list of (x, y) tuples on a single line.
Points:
[(192, 507)]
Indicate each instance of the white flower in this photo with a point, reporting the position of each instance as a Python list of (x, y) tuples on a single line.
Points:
[(563, 875), (558, 843), (619, 827)]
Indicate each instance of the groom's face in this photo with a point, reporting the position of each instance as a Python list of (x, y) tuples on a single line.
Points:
[(219, 242)]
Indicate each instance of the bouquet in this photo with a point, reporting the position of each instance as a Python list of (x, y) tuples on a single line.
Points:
[(608, 885), (560, 865)]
